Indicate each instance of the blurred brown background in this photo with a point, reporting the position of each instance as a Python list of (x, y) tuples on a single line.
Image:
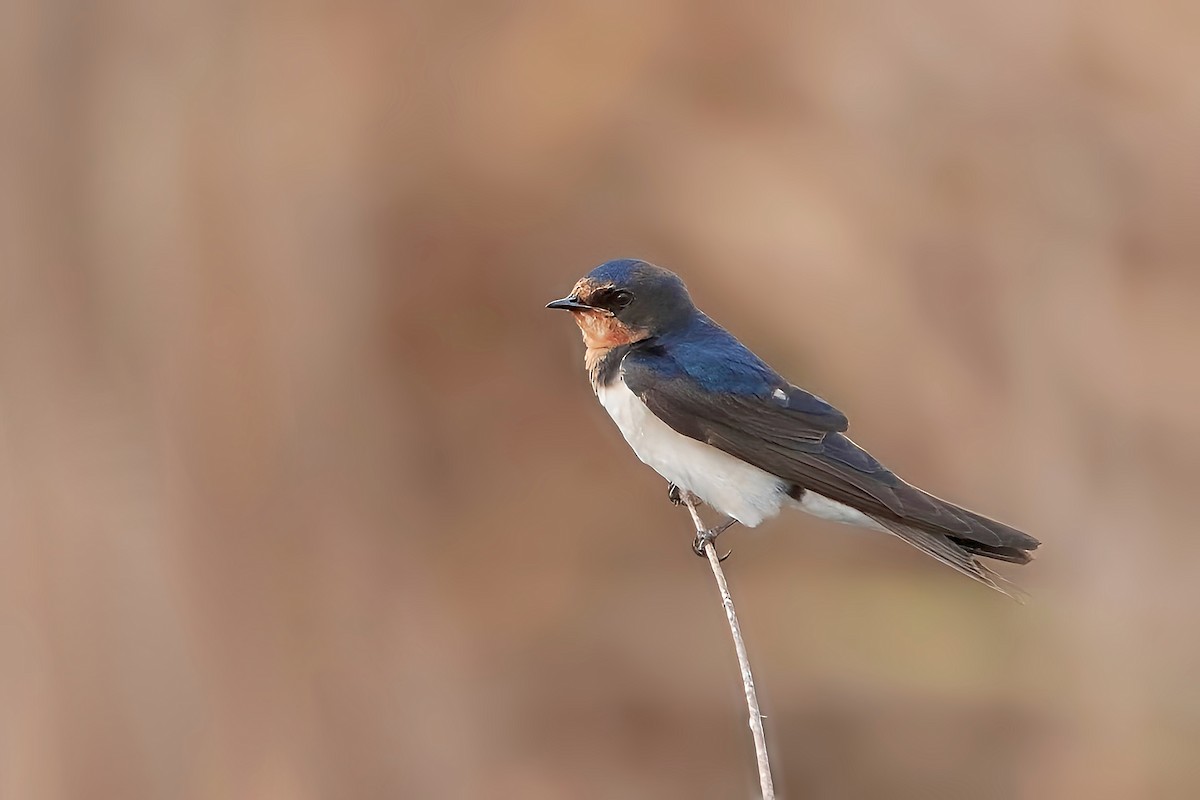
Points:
[(298, 480)]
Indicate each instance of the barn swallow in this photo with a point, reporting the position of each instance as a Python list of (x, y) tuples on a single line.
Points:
[(720, 425)]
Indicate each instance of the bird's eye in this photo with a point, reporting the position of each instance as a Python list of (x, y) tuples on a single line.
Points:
[(620, 299)]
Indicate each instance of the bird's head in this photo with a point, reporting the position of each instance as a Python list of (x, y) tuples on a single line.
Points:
[(625, 301)]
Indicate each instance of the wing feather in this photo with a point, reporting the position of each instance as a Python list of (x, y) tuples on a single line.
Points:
[(793, 434)]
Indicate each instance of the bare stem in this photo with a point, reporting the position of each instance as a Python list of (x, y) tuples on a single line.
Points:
[(756, 724)]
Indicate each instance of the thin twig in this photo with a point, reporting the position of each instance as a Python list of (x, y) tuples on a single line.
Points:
[(756, 725)]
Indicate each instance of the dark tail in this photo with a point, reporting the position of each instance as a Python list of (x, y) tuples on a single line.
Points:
[(958, 548)]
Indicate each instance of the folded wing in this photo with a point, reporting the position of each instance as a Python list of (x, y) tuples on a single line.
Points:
[(788, 432)]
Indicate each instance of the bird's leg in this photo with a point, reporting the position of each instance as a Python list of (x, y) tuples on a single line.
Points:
[(710, 535), (704, 535), (674, 494)]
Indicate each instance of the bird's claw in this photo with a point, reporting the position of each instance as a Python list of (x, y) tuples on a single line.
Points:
[(701, 541), (674, 494)]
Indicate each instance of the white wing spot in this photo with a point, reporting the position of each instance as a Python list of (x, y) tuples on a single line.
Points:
[(780, 395)]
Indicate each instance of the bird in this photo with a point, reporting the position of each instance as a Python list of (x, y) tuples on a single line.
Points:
[(727, 430)]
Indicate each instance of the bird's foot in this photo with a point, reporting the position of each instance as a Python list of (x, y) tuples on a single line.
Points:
[(674, 494), (703, 537), (701, 542)]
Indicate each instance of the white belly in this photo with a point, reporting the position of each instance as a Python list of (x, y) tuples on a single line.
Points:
[(821, 506), (730, 485)]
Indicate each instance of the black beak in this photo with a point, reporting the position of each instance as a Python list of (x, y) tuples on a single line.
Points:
[(570, 302)]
